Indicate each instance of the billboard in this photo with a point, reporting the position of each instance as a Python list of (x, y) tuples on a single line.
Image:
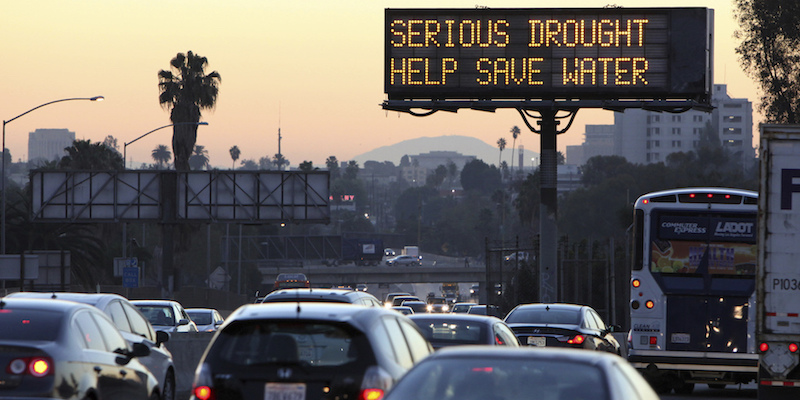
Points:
[(548, 54)]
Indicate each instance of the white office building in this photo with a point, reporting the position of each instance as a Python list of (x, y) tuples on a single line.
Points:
[(48, 144), (649, 137)]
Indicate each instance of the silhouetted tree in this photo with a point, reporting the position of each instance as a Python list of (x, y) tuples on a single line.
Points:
[(161, 155), (235, 153), (83, 154), (185, 90)]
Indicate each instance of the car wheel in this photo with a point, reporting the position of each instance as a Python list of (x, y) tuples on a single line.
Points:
[(168, 391)]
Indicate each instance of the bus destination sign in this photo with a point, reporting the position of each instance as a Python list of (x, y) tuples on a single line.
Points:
[(530, 54)]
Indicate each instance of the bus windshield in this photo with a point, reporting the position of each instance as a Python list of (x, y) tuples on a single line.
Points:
[(703, 243)]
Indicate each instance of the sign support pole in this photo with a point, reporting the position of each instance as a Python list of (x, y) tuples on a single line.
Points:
[(548, 193)]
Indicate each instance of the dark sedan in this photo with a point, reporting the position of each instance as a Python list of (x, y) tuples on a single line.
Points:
[(561, 325), (58, 349), (501, 373), (443, 330)]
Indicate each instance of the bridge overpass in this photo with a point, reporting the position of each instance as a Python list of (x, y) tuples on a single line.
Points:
[(347, 275)]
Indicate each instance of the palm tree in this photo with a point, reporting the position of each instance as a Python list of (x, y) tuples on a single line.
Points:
[(199, 158), (333, 166), (235, 153), (161, 155), (185, 92), (279, 160), (514, 132), (83, 154), (501, 144)]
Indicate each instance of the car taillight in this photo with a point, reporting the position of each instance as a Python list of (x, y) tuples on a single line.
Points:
[(34, 366), (578, 339), (376, 382), (793, 347), (371, 394), (203, 386)]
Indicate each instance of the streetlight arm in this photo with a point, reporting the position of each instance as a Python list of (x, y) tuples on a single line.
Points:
[(165, 126), (95, 98)]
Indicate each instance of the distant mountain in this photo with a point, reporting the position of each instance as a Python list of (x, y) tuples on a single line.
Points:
[(468, 146)]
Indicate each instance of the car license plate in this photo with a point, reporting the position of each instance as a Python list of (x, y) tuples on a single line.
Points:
[(681, 338), (537, 341), (285, 391)]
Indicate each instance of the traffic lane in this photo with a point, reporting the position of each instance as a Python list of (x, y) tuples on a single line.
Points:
[(702, 391)]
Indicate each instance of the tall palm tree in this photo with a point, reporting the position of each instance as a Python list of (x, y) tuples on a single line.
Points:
[(161, 155), (514, 132), (199, 159), (279, 160), (185, 90), (235, 153), (501, 144)]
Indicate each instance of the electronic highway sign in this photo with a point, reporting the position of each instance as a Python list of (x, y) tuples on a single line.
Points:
[(547, 54)]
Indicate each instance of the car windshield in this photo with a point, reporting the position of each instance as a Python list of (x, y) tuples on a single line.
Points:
[(462, 307), (200, 317), (486, 378), (320, 344), (25, 324), (449, 332), (158, 315), (544, 316)]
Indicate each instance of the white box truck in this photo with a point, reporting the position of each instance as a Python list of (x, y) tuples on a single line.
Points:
[(778, 272)]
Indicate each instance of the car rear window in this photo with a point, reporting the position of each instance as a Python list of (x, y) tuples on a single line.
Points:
[(25, 324), (158, 315), (543, 316), (319, 344), (201, 318), (452, 332), (486, 378)]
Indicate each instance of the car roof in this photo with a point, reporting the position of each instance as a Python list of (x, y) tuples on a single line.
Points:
[(552, 306), (98, 300), (200, 310), (154, 302), (456, 317), (333, 312), (546, 353), (64, 306), (341, 295)]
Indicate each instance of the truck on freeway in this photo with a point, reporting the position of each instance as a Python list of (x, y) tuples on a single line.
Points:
[(778, 274)]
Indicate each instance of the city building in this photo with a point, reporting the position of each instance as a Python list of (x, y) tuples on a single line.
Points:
[(649, 137), (48, 145)]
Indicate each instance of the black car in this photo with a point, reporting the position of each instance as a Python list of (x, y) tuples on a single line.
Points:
[(133, 326), (504, 373), (308, 351), (444, 330), (323, 296), (55, 349), (561, 325)]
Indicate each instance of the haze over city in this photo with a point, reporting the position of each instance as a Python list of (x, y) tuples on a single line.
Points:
[(314, 69)]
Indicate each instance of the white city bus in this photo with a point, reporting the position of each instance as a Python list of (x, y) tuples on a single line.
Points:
[(693, 288)]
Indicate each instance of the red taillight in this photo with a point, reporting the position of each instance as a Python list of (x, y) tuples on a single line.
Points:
[(793, 347), (34, 366), (371, 394), (649, 304), (204, 393), (763, 347), (636, 283), (578, 339)]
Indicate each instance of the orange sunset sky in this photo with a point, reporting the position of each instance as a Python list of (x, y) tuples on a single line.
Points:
[(312, 67)]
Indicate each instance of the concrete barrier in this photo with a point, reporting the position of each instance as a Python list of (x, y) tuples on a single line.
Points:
[(186, 349)]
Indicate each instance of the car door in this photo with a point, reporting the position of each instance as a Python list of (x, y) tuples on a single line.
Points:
[(110, 378), (139, 330), (608, 342), (133, 375)]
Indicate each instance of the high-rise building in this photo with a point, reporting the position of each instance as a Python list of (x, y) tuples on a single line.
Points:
[(48, 144), (649, 136)]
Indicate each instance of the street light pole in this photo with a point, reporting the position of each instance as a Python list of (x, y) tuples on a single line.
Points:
[(125, 145), (3, 167)]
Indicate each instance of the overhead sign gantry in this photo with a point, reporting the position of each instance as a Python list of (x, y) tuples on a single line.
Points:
[(548, 61)]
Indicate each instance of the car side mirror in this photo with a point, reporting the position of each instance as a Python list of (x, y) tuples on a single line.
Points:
[(183, 321), (140, 350), (218, 323), (161, 337)]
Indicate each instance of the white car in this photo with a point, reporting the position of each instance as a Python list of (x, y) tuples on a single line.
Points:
[(206, 319), (403, 260), (133, 326), (166, 315)]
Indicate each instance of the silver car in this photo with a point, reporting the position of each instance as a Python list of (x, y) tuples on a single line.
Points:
[(166, 315), (206, 319), (134, 327)]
